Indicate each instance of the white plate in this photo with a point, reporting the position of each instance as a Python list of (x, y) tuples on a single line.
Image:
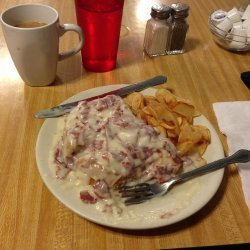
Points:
[(181, 202)]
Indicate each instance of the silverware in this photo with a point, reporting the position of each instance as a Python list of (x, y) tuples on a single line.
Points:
[(145, 191), (65, 108)]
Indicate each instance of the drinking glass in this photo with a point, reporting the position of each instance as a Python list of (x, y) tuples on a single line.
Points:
[(100, 21)]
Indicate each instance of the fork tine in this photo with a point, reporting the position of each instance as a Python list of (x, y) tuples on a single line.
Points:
[(139, 186), (135, 191), (136, 200), (136, 194)]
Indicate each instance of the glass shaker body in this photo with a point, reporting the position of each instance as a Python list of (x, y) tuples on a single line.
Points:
[(179, 29), (157, 31)]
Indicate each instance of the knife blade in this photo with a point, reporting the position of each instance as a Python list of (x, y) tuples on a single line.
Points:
[(65, 108)]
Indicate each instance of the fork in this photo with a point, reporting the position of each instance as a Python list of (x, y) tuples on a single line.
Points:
[(144, 191)]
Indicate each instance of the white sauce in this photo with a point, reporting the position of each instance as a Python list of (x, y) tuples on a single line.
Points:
[(95, 133)]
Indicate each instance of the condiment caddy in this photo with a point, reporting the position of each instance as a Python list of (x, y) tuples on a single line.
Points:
[(231, 29)]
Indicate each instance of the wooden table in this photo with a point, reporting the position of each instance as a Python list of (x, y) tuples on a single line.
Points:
[(32, 218)]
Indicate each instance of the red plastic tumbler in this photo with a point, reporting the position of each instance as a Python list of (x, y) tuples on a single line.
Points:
[(100, 21)]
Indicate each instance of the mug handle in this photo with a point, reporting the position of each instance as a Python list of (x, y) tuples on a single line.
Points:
[(71, 27)]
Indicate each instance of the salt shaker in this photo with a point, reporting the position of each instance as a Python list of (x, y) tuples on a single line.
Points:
[(157, 30), (179, 28)]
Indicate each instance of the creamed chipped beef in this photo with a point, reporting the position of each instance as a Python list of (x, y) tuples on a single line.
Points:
[(105, 141)]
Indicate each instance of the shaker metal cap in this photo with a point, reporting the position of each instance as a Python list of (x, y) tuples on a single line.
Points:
[(180, 10), (160, 11)]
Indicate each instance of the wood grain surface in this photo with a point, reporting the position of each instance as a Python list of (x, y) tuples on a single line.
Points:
[(32, 218)]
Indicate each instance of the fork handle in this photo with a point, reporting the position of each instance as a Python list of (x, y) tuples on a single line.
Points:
[(240, 156)]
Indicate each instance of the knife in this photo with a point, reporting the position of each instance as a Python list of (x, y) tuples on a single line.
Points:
[(65, 108)]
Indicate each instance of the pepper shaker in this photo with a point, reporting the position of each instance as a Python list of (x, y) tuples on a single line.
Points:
[(179, 28), (157, 30)]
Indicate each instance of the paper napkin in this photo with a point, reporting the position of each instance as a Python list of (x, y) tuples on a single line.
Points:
[(234, 121)]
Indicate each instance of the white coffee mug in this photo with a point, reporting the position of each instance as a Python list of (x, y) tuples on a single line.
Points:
[(35, 50)]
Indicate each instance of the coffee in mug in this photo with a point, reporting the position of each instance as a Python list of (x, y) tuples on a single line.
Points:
[(30, 24)]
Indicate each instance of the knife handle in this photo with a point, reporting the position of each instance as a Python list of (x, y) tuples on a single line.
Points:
[(142, 85)]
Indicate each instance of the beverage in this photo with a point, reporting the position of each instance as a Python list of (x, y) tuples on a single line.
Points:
[(32, 33), (31, 24), (101, 22)]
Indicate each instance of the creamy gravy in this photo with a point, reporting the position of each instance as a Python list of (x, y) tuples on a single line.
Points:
[(112, 127)]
